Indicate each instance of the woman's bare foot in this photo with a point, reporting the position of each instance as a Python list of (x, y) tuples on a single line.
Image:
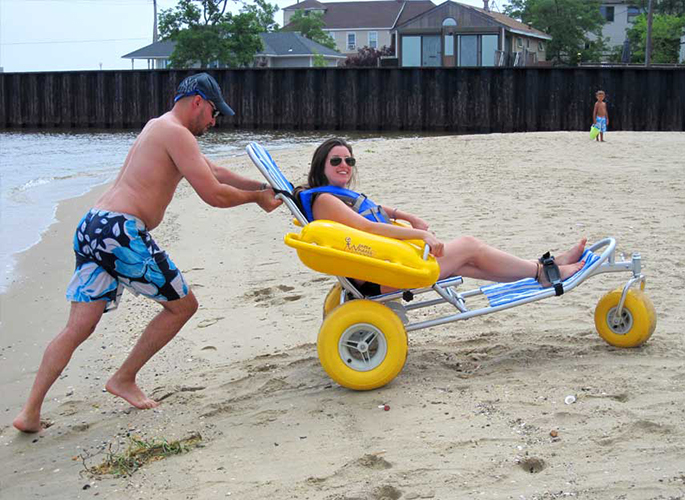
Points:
[(131, 393), (573, 255), (565, 271), (26, 422)]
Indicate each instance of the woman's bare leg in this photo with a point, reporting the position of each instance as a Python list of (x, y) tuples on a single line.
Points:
[(470, 257)]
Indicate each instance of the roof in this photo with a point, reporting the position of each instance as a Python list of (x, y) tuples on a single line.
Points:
[(158, 50), (361, 15), (291, 44), (275, 44), (513, 24), (506, 21), (307, 4)]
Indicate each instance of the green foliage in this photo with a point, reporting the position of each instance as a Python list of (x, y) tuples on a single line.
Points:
[(568, 22), (319, 61), (669, 7), (206, 34), (265, 13), (666, 32), (311, 25)]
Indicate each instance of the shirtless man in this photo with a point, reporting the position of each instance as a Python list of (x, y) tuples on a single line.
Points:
[(114, 248)]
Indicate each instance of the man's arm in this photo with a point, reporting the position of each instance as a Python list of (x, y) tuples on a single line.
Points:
[(225, 176), (185, 153)]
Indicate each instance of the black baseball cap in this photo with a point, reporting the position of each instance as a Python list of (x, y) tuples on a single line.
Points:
[(204, 85)]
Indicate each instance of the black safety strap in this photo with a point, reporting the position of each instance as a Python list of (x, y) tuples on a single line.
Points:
[(552, 274)]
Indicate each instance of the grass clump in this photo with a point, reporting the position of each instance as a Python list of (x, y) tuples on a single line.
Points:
[(141, 452)]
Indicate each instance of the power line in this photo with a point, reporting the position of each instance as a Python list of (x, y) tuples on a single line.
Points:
[(75, 41)]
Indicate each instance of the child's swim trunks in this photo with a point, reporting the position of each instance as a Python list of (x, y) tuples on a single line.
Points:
[(602, 123), (114, 250)]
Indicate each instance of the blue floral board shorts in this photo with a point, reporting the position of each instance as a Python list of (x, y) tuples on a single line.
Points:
[(115, 250), (601, 123)]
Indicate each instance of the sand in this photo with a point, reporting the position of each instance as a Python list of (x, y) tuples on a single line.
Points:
[(473, 412)]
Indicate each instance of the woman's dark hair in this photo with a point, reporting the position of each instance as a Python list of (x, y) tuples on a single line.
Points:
[(317, 176)]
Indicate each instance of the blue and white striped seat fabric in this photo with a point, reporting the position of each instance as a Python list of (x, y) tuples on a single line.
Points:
[(504, 293), (262, 159)]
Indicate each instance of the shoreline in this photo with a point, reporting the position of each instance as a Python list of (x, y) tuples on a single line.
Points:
[(471, 413)]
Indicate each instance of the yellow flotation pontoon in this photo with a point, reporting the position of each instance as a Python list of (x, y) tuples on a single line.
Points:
[(333, 248)]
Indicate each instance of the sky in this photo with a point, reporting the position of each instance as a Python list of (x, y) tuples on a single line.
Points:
[(63, 35)]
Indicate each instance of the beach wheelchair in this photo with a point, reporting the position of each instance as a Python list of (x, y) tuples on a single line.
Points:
[(362, 342)]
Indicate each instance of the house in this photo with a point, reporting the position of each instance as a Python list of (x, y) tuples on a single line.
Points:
[(423, 34), (354, 25), (280, 50), (619, 16), (454, 34)]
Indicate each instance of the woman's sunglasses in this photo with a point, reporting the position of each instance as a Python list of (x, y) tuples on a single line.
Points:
[(336, 160)]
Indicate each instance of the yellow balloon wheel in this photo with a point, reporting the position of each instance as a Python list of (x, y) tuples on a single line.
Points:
[(362, 345), (637, 321), (332, 299)]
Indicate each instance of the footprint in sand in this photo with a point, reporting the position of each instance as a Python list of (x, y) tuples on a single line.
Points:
[(209, 322), (268, 295)]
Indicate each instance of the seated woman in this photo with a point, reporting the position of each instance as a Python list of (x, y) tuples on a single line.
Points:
[(334, 165)]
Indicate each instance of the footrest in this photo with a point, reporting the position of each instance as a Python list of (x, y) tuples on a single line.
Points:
[(505, 293)]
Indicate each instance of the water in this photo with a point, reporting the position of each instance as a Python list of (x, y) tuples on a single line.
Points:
[(40, 169)]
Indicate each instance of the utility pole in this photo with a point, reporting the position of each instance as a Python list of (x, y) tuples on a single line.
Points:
[(155, 36), (648, 48)]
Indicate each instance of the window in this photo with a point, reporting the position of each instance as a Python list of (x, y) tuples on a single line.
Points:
[(351, 41), (449, 45), (519, 43), (468, 50), (373, 39), (541, 47), (411, 51), (489, 44), (633, 12), (449, 22), (607, 13)]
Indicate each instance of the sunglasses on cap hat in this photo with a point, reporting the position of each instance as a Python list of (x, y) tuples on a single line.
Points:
[(336, 160)]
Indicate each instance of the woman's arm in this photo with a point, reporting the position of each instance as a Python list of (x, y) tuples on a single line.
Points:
[(327, 206), (397, 214)]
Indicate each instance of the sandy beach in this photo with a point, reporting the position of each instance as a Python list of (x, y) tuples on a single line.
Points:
[(477, 412)]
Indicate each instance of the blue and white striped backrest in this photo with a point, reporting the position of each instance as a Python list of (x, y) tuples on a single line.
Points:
[(262, 159), (267, 166)]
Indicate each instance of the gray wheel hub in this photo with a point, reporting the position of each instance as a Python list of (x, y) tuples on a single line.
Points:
[(362, 347), (620, 325)]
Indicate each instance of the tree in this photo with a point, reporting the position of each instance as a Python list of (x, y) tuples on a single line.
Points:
[(568, 22), (204, 32), (265, 13), (310, 25), (366, 57), (666, 32)]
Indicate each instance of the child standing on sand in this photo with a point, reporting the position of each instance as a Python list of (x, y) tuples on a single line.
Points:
[(600, 115)]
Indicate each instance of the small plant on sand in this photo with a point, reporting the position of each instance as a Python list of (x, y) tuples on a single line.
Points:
[(140, 452)]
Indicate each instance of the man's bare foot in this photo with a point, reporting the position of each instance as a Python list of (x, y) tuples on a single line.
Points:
[(565, 271), (29, 423), (573, 255), (131, 393)]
